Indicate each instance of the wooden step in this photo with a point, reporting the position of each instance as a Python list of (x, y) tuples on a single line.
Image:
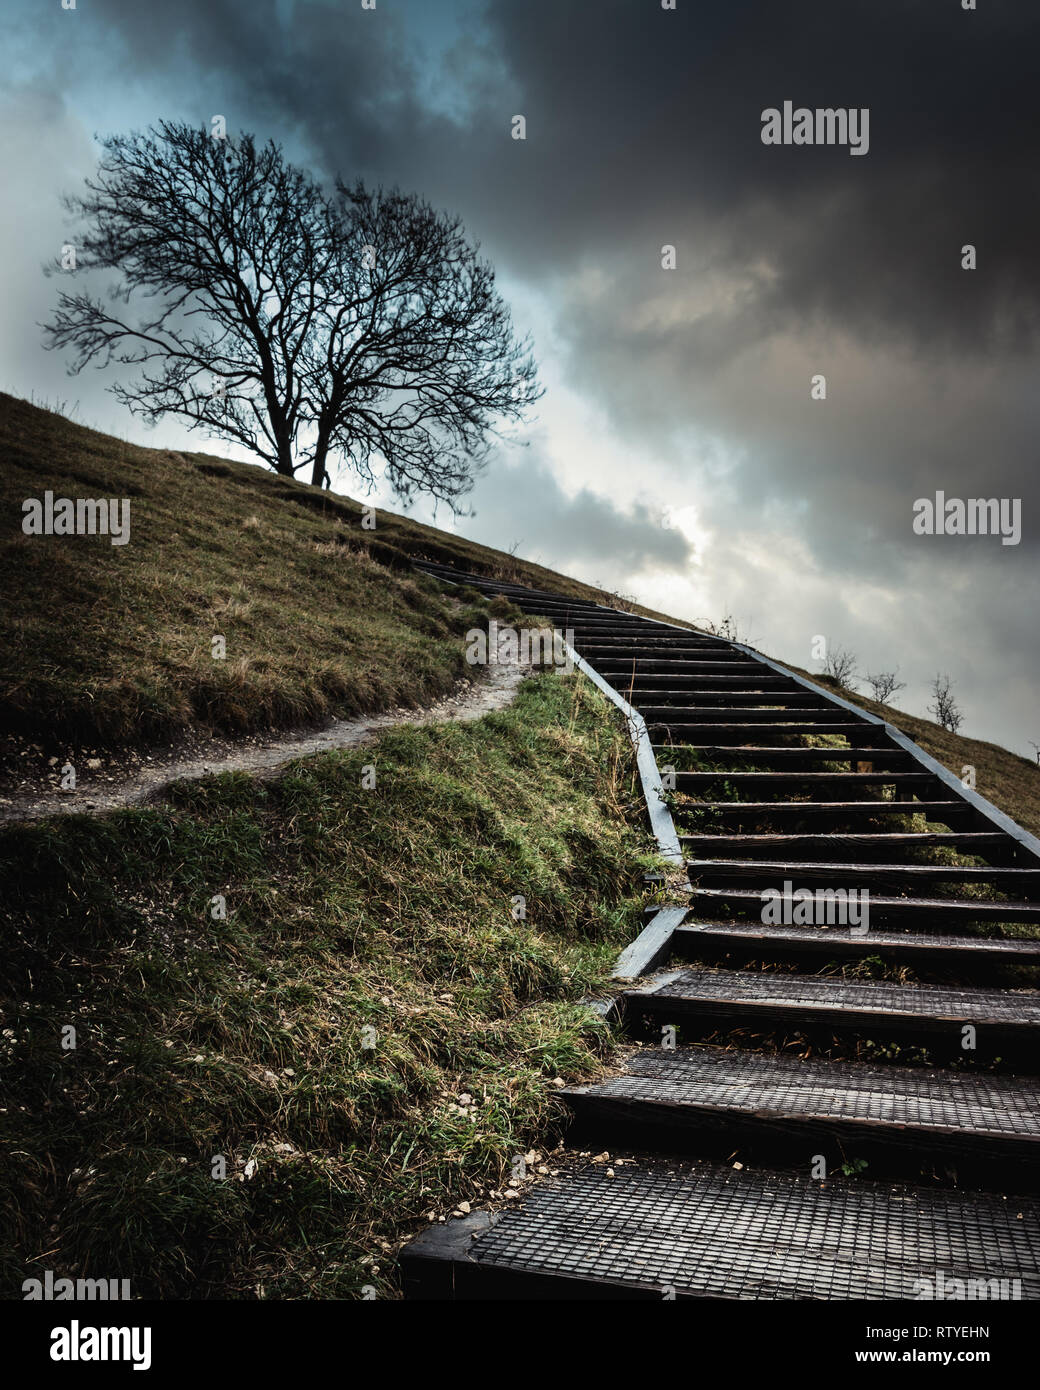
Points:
[(882, 877), (680, 719), (614, 670), (762, 679), (746, 902), (810, 1101), (782, 847), (607, 628), (881, 760), (676, 647), (751, 734), (662, 703), (780, 781), (699, 940), (754, 812), (662, 1229), (767, 873), (880, 1011), (663, 638)]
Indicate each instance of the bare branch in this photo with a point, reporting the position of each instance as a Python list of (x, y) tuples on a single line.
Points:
[(885, 684), (944, 706), (301, 324), (840, 666)]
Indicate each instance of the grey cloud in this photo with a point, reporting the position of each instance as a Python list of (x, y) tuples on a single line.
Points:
[(584, 534)]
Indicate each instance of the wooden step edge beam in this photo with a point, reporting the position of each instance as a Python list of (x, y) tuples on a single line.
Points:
[(696, 937), (859, 779), (932, 810), (911, 839), (1028, 912), (890, 1024)]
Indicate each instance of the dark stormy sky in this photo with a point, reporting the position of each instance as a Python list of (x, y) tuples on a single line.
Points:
[(677, 454)]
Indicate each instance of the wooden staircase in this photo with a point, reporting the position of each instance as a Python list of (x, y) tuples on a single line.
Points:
[(857, 1177)]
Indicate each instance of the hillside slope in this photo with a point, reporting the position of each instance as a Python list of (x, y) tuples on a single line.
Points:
[(364, 1034), (321, 617), (265, 1100)]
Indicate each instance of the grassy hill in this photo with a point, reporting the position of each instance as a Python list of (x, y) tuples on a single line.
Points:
[(265, 1098), (323, 985), (109, 644), (320, 616), (368, 1035)]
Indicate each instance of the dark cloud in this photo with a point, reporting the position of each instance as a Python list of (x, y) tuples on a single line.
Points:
[(648, 123)]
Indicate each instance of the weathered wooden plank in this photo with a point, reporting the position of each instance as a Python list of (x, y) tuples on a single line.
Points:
[(680, 717), (653, 702), (884, 907), (693, 939), (746, 733), (613, 667), (651, 946), (755, 1098), (970, 841), (656, 647), (822, 810), (815, 779), (664, 681), (869, 1008), (841, 873), (700, 1230), (732, 755)]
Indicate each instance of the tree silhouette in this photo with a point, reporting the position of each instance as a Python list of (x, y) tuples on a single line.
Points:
[(885, 684), (945, 708), (840, 665), (302, 324)]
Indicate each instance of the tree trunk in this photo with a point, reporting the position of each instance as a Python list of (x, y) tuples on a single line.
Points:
[(321, 453), (285, 456)]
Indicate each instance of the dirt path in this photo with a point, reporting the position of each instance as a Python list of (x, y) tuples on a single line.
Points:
[(106, 780)]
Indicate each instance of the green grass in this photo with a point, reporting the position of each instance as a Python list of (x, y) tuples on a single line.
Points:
[(387, 908)]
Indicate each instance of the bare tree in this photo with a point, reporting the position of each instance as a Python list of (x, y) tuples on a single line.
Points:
[(1036, 749), (944, 706), (840, 665), (300, 324), (885, 684)]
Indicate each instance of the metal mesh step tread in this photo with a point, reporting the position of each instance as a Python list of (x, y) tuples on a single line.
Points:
[(705, 1230), (822, 937), (867, 996), (755, 1083)]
